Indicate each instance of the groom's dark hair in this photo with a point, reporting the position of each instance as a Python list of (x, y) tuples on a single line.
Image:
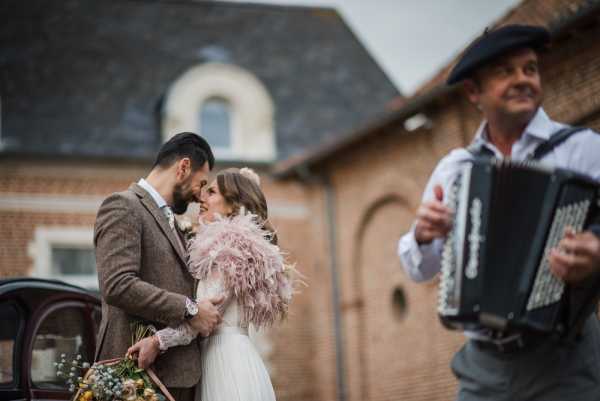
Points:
[(185, 144)]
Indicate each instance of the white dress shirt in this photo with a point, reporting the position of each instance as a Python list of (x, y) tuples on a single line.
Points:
[(160, 201), (580, 153)]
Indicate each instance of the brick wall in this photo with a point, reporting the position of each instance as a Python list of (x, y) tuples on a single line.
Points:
[(292, 373)]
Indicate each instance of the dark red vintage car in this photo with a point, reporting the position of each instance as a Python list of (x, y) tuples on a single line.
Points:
[(39, 321)]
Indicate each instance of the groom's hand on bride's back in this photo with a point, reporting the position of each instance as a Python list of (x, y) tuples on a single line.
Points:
[(208, 316)]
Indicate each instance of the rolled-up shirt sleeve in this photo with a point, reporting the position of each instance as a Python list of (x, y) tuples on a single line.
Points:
[(422, 262)]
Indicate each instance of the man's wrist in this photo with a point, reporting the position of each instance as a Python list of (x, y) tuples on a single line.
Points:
[(417, 237)]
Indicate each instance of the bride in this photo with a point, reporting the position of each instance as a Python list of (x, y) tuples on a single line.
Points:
[(233, 255)]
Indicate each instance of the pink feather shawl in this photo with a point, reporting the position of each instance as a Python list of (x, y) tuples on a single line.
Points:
[(253, 269)]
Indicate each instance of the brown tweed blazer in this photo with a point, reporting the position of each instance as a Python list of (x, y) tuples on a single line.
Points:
[(143, 276)]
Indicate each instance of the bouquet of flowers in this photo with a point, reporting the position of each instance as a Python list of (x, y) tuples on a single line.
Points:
[(113, 380)]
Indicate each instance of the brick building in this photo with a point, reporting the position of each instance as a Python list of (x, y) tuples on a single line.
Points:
[(380, 338), (89, 90), (348, 176)]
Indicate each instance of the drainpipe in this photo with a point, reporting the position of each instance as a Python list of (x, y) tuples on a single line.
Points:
[(325, 182)]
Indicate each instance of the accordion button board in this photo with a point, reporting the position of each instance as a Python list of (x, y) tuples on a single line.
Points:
[(547, 288)]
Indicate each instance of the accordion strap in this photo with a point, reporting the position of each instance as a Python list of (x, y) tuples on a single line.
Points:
[(556, 139), (478, 149)]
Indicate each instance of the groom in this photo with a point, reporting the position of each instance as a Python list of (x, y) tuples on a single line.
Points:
[(141, 261)]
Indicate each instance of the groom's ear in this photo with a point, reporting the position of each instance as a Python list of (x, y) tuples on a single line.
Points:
[(184, 168)]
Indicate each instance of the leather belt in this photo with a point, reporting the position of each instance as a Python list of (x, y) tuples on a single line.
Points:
[(511, 345)]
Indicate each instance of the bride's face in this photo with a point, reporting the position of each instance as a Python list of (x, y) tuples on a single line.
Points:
[(212, 203)]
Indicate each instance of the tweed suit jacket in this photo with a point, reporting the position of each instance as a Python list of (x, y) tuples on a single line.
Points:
[(143, 276)]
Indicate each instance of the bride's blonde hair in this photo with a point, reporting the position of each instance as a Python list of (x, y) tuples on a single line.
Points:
[(241, 188)]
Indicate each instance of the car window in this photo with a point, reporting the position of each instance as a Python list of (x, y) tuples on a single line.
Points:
[(63, 331), (9, 328)]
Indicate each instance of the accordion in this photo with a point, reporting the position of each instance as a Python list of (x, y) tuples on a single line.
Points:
[(494, 269)]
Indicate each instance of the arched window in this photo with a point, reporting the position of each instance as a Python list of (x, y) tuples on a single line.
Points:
[(215, 122), (229, 106)]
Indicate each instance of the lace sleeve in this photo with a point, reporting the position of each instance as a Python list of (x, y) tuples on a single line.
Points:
[(173, 336)]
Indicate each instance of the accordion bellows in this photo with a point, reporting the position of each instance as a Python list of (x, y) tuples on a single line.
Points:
[(495, 271)]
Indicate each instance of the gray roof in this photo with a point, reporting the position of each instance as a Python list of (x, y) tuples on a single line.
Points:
[(87, 77)]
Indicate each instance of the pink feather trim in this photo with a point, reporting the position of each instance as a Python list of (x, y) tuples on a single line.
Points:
[(253, 269)]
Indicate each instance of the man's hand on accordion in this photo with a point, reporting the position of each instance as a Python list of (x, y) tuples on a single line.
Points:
[(576, 257), (434, 219)]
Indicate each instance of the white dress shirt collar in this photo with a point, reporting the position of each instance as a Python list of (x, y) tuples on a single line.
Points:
[(160, 201), (540, 126)]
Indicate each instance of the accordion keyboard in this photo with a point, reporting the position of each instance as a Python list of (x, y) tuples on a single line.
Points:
[(547, 289), (449, 291)]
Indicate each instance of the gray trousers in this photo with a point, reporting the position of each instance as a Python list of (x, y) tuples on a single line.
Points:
[(550, 371)]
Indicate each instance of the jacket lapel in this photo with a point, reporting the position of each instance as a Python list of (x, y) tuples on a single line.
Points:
[(160, 218), (185, 244), (180, 236)]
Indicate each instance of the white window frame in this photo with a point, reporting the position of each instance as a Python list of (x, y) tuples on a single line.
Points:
[(40, 249), (252, 109)]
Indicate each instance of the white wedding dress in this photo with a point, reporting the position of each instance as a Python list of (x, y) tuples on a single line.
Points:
[(232, 369)]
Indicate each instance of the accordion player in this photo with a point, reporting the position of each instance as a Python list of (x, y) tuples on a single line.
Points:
[(495, 273)]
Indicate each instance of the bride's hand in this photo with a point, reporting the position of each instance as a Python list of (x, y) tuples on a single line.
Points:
[(146, 350)]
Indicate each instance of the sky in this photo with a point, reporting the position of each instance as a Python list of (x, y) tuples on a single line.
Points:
[(413, 39)]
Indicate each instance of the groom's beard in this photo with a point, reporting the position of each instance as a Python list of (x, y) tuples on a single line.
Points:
[(181, 199)]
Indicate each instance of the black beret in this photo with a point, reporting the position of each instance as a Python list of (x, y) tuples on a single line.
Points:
[(495, 43)]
